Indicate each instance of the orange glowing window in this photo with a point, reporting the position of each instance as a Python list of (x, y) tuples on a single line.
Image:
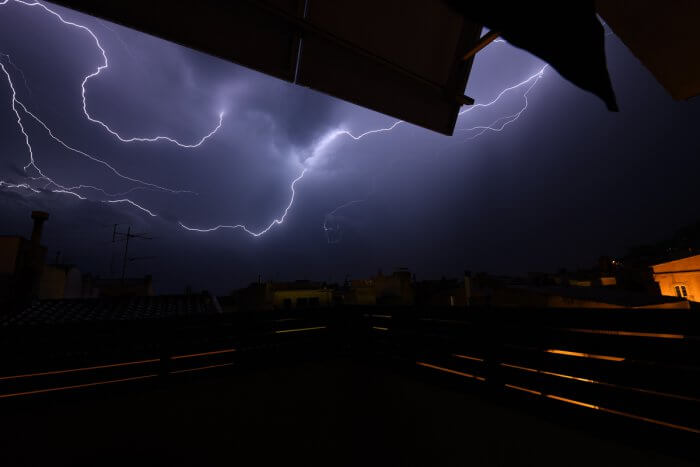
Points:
[(681, 291)]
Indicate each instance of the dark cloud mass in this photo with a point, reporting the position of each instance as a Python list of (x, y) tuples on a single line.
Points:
[(566, 182)]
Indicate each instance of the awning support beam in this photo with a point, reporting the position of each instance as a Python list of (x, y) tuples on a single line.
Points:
[(483, 42)]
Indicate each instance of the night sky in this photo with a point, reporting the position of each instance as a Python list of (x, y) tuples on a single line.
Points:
[(563, 184)]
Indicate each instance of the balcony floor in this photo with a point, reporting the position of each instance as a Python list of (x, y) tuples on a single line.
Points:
[(333, 412)]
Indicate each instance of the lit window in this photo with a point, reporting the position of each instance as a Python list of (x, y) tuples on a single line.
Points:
[(681, 291)]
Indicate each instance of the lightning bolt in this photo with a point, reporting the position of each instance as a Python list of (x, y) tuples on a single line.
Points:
[(15, 186), (245, 229), (499, 124), (128, 201), (318, 149), (332, 228), (17, 105), (334, 231), (104, 66), (18, 70), (89, 156)]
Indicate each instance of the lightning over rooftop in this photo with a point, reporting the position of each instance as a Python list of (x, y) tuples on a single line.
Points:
[(315, 151), (106, 122)]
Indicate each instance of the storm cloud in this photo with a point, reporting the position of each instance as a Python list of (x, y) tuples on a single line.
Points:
[(566, 182)]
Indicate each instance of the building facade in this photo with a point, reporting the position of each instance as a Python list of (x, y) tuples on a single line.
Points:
[(21, 266), (300, 294), (679, 278)]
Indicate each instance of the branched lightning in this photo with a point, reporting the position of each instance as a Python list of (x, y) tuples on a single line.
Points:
[(128, 201), (367, 133), (97, 72), (500, 123), (505, 91), (19, 108), (245, 229), (78, 191), (331, 227), (321, 144), (17, 186), (91, 157), (18, 70), (32, 164)]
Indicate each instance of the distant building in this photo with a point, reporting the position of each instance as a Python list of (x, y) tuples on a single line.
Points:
[(441, 293), (604, 275), (396, 289), (679, 278), (509, 292), (60, 281), (361, 292), (21, 265), (601, 281), (582, 297), (25, 276), (299, 294), (251, 298), (128, 287)]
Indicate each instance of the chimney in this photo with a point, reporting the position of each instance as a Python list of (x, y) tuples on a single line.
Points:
[(467, 288), (36, 256), (39, 218)]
